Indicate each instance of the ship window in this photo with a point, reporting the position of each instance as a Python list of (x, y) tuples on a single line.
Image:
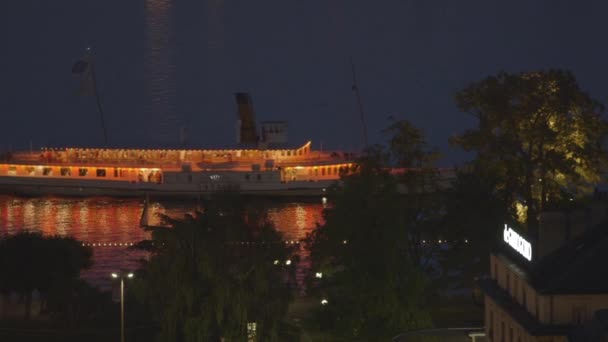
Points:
[(101, 172), (65, 171), (83, 172), (30, 170), (47, 171), (246, 176), (12, 170)]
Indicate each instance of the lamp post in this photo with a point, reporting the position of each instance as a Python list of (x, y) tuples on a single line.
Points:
[(122, 275)]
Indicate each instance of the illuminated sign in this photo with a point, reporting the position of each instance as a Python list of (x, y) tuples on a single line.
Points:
[(518, 243)]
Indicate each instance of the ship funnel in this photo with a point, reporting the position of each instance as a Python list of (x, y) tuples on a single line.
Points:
[(246, 130)]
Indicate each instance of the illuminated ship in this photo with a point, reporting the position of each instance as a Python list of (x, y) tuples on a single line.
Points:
[(259, 165)]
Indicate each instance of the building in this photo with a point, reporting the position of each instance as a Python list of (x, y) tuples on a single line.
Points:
[(549, 288)]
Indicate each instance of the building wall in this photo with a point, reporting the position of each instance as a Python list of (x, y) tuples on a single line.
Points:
[(577, 308), (548, 309), (500, 327)]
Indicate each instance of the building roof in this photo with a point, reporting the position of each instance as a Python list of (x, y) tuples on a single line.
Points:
[(577, 267)]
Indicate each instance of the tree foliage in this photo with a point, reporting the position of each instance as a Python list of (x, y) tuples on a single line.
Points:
[(213, 273), (474, 213), (369, 249), (50, 265), (538, 133)]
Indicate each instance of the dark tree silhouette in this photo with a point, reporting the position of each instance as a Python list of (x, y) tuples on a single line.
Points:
[(214, 273), (50, 265)]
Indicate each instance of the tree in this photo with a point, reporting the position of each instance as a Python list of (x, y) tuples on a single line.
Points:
[(213, 273), (473, 215), (369, 251), (539, 134), (49, 265)]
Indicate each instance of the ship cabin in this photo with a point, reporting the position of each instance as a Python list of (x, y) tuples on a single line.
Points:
[(157, 166)]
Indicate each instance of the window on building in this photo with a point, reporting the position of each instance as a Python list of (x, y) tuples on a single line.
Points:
[(47, 171), (116, 173), (83, 172), (491, 325), (579, 314), (12, 170), (100, 172), (30, 170), (65, 171), (322, 171)]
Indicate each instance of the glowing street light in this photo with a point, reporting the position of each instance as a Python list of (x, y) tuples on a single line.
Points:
[(324, 301), (122, 275)]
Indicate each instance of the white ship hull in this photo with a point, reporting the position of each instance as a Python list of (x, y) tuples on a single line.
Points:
[(72, 187)]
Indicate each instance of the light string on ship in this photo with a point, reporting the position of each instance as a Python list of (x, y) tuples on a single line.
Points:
[(244, 243)]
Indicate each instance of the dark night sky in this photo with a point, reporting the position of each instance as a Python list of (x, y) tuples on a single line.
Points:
[(164, 64)]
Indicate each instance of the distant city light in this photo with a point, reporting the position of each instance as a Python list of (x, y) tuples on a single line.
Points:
[(324, 301), (130, 275), (324, 200), (288, 262), (114, 275), (276, 262), (319, 275)]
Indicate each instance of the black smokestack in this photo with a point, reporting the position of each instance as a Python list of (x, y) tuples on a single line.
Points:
[(248, 133)]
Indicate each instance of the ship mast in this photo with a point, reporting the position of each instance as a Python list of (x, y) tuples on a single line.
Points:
[(359, 103), (98, 98), (85, 69)]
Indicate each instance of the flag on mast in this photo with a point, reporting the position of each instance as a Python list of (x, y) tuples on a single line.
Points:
[(83, 69)]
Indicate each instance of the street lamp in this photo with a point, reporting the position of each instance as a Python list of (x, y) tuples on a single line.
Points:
[(122, 275)]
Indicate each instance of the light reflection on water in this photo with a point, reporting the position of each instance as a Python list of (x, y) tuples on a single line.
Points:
[(112, 220)]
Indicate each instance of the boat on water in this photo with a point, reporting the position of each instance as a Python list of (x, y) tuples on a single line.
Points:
[(261, 163)]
